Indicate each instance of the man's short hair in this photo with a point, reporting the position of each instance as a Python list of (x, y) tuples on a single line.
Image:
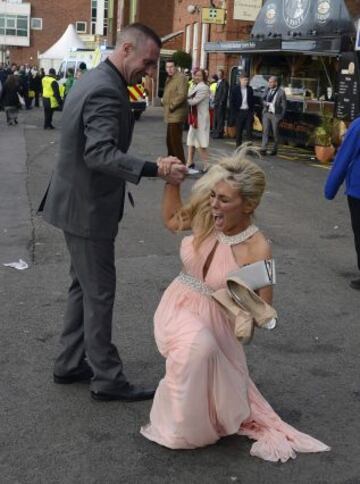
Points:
[(137, 32), (82, 66), (171, 61), (244, 75), (52, 71), (274, 78)]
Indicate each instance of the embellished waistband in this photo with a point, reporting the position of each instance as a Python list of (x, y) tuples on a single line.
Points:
[(195, 284)]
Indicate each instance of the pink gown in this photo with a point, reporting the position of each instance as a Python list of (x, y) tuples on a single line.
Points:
[(206, 392)]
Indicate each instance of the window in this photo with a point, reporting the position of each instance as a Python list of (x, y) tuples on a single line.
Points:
[(106, 16), (93, 16), (81, 27), (36, 23), (16, 25)]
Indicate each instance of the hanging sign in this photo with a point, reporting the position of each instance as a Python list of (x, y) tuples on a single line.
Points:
[(247, 9), (213, 15)]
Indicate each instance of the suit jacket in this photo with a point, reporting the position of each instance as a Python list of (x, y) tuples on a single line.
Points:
[(236, 98), (87, 189), (221, 94), (175, 98), (280, 102)]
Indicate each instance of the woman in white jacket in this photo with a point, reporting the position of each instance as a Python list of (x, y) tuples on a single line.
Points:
[(199, 132)]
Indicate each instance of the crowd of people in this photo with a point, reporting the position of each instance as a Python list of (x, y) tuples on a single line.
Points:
[(194, 99), (26, 86), (20, 86)]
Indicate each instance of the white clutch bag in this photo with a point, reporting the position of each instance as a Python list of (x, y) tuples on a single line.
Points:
[(257, 275)]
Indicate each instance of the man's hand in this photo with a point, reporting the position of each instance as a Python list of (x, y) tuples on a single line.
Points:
[(164, 165), (171, 170)]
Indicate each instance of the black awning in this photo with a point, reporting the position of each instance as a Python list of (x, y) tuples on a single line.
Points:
[(331, 46), (243, 46)]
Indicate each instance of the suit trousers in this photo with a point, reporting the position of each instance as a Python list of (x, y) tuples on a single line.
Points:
[(354, 206), (174, 140), (270, 122), (219, 121), (244, 120), (48, 112), (87, 330)]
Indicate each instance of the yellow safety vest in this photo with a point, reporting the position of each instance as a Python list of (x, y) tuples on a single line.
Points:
[(48, 91), (213, 87), (62, 91)]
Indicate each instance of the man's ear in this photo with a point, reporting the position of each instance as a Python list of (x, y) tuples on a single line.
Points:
[(127, 48)]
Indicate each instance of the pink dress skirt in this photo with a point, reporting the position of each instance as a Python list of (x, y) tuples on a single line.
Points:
[(206, 392)]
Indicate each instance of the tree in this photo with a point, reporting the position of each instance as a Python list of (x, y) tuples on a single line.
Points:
[(182, 59)]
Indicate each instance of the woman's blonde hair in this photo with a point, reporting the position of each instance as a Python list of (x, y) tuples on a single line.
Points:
[(240, 172)]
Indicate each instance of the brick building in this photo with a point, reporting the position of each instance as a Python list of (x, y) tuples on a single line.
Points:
[(28, 28), (188, 17)]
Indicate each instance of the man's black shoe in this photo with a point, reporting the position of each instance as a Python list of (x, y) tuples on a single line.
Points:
[(128, 393), (262, 152), (84, 375), (355, 284)]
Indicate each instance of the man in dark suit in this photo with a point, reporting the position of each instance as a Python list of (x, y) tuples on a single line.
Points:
[(274, 108), (242, 108), (86, 199), (220, 101)]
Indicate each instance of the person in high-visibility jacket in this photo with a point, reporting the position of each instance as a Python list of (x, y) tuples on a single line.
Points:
[(51, 98), (62, 91)]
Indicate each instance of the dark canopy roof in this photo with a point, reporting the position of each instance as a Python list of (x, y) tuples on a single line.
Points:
[(303, 18), (321, 27)]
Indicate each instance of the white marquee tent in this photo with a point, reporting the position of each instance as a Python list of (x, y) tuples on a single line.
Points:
[(57, 52)]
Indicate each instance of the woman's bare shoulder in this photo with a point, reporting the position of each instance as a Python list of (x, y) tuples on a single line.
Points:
[(255, 249), (260, 247)]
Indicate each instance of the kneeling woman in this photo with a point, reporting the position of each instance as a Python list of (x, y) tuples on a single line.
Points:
[(207, 392)]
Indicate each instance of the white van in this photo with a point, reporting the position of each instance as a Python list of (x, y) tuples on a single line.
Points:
[(73, 60)]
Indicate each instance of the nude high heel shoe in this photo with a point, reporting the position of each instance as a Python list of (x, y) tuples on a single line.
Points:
[(263, 314), (241, 320)]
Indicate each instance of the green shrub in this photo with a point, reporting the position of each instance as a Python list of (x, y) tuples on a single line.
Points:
[(182, 59)]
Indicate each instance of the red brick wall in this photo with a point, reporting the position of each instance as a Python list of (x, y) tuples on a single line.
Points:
[(157, 14), (56, 15)]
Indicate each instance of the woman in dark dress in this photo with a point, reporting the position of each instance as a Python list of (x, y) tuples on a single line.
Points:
[(10, 100)]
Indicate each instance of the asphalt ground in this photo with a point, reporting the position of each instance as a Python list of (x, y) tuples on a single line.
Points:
[(308, 368)]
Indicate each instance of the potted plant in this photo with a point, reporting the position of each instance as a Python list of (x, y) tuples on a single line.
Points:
[(323, 135)]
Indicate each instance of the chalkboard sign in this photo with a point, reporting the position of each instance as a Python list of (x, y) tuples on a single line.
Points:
[(347, 101)]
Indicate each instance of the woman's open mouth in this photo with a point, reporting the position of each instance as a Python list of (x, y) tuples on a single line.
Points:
[(218, 219)]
